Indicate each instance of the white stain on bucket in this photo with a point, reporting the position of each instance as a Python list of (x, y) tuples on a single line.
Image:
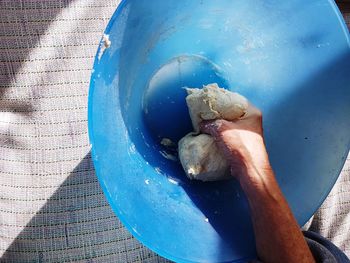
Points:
[(105, 43), (171, 180), (168, 156)]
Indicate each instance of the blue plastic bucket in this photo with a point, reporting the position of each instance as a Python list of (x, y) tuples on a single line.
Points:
[(290, 58)]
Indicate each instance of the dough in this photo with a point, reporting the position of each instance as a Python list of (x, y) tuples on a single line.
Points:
[(201, 159), (212, 103), (198, 153)]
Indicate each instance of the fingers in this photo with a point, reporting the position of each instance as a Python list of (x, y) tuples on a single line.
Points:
[(252, 120), (213, 128)]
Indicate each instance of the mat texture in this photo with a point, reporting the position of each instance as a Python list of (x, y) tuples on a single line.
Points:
[(51, 206)]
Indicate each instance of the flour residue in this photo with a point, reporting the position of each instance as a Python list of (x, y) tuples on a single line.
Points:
[(105, 43), (171, 149), (167, 142), (132, 148), (158, 170), (168, 156), (171, 180)]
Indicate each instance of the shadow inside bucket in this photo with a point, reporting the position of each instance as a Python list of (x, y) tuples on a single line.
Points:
[(165, 110), (166, 116), (218, 201)]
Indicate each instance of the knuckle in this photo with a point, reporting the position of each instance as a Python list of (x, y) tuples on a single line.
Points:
[(258, 115)]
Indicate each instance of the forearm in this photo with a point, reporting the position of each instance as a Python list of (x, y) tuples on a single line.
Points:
[(278, 237)]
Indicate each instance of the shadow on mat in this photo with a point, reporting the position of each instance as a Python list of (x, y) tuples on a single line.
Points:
[(76, 223)]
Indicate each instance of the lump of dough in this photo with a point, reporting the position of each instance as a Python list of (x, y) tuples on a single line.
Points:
[(199, 155), (201, 159), (212, 103)]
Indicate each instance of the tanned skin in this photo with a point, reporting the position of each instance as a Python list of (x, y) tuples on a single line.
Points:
[(277, 233)]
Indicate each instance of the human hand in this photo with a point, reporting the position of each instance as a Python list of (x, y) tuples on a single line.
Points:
[(241, 141), (277, 234)]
